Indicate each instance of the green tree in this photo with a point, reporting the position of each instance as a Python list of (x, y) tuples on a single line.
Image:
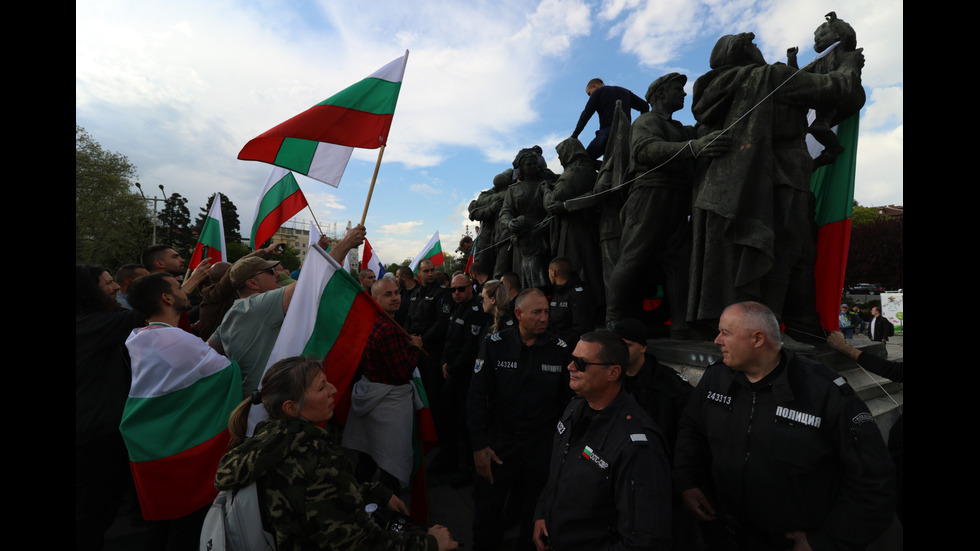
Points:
[(111, 223), (290, 258), (863, 215), (175, 218), (229, 218)]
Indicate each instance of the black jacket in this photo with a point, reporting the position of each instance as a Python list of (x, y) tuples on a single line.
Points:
[(608, 489), (800, 452), (516, 388), (463, 338), (572, 311), (663, 393)]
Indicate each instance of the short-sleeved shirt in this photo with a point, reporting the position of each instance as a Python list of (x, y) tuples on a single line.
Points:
[(249, 331)]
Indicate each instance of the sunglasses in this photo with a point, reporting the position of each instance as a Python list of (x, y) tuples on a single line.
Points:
[(458, 289), (581, 364)]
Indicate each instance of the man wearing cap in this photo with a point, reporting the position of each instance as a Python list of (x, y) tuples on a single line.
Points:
[(655, 216), (250, 328), (217, 298), (609, 480)]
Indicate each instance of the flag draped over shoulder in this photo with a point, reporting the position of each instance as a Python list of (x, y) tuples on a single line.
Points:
[(371, 261), (833, 187), (211, 242), (330, 317), (318, 142), (281, 199), (175, 422), (432, 251)]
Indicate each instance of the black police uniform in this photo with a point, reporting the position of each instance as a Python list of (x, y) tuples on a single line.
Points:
[(663, 393), (459, 353), (428, 317), (516, 395), (797, 450), (572, 311), (609, 480)]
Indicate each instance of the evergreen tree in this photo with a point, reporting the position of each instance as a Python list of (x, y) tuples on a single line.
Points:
[(175, 219), (229, 218)]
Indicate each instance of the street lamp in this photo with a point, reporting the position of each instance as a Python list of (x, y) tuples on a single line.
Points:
[(154, 199)]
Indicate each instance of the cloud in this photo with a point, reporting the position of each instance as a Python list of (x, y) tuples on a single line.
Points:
[(884, 107), (401, 228), (879, 179), (423, 188)]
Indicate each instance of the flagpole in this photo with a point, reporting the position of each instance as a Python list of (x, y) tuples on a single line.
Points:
[(373, 179), (315, 221)]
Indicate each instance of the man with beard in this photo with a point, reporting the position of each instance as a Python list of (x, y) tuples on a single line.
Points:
[(162, 354), (163, 259)]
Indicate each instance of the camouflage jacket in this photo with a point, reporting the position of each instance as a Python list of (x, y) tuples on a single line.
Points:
[(308, 494)]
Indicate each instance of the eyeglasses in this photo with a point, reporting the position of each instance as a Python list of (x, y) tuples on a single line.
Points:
[(581, 364), (458, 289), (270, 271)]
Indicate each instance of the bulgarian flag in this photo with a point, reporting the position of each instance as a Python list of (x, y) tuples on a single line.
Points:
[(329, 317), (371, 261), (319, 141), (281, 199), (423, 441), (211, 242), (432, 251), (175, 422), (833, 186)]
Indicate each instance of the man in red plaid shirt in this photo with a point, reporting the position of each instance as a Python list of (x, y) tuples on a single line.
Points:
[(382, 401)]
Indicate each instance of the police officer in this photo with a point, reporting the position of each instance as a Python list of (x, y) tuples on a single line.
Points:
[(572, 307), (462, 345), (428, 317), (518, 390), (774, 447), (609, 479)]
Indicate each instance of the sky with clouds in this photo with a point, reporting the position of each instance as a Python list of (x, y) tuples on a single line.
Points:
[(180, 86)]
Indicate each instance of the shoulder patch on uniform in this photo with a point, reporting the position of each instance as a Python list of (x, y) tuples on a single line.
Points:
[(579, 289), (478, 365), (638, 437), (845, 388), (561, 343), (475, 308), (862, 418), (475, 329), (681, 377), (495, 337)]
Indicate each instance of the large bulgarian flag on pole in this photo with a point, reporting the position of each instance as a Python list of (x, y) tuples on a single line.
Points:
[(319, 141), (281, 199), (833, 186), (329, 317), (211, 242), (175, 422), (432, 251)]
